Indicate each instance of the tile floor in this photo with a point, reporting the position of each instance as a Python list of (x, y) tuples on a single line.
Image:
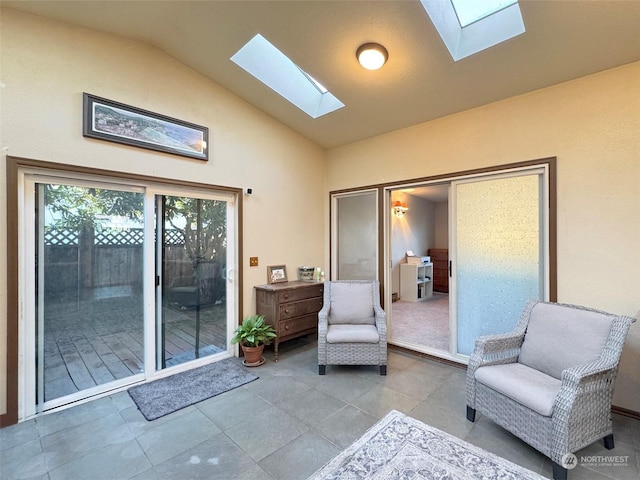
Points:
[(284, 425)]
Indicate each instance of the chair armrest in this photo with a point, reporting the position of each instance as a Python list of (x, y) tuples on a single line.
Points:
[(381, 322), (582, 408), (491, 350), (323, 320), (497, 349), (588, 372), (502, 348)]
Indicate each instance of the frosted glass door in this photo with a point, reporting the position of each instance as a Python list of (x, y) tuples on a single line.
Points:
[(355, 240), (498, 253)]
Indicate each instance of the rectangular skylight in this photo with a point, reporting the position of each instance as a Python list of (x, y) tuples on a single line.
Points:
[(470, 11), (468, 31), (277, 71)]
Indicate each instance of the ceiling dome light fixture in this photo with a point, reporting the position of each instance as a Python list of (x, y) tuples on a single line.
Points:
[(372, 56)]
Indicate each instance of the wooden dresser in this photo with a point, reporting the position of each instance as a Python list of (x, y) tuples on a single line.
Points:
[(440, 260), (291, 308)]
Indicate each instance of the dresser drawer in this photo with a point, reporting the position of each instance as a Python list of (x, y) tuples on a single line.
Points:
[(303, 307), (291, 308), (301, 293), (296, 325)]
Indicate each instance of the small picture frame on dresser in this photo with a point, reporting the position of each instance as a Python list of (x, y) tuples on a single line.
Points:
[(276, 274)]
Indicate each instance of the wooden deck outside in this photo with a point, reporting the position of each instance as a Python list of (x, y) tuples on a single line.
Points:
[(102, 341)]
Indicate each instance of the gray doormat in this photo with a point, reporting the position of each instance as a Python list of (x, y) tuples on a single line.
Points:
[(167, 395)]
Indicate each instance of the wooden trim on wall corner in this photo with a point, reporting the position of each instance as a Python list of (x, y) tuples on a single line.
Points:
[(11, 414), (625, 412)]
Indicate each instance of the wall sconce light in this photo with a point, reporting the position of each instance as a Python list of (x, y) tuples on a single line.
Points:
[(372, 56), (400, 209)]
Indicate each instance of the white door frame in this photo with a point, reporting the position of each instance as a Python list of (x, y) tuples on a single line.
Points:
[(542, 168), (28, 177)]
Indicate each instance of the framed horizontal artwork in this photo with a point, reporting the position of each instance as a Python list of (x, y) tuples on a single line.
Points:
[(277, 274), (115, 122)]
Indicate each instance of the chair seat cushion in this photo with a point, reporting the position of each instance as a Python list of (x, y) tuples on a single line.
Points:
[(522, 384), (352, 334)]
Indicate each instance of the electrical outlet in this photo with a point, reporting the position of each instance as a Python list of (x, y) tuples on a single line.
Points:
[(253, 261)]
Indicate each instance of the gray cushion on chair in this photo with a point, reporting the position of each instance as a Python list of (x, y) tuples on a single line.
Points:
[(352, 334), (525, 385), (556, 338), (351, 303)]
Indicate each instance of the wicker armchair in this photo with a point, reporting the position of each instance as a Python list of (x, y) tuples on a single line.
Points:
[(352, 327), (550, 381)]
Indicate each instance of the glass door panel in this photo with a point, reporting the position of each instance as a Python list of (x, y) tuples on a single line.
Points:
[(499, 253), (193, 294), (355, 227), (89, 306)]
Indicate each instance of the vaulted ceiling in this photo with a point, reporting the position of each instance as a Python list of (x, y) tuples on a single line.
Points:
[(564, 40)]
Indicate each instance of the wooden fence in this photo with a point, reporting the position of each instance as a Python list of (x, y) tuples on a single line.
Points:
[(74, 262)]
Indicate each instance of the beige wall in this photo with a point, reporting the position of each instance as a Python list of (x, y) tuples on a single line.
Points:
[(592, 126), (45, 68)]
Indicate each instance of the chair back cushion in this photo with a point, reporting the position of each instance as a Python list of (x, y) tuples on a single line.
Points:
[(351, 303), (559, 337)]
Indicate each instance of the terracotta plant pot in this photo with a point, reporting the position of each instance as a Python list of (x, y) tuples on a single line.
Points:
[(252, 356)]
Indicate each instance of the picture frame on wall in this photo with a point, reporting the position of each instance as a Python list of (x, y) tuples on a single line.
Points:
[(276, 274), (116, 122)]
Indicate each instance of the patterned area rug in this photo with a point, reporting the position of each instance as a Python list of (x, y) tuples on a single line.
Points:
[(400, 447), (166, 395)]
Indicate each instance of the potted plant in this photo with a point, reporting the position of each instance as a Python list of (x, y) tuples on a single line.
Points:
[(253, 335)]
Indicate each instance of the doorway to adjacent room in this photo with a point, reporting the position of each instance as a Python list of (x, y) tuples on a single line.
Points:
[(488, 232)]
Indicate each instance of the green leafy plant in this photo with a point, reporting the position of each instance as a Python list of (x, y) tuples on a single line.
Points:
[(254, 332)]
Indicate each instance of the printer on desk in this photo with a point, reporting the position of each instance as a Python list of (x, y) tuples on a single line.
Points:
[(413, 259)]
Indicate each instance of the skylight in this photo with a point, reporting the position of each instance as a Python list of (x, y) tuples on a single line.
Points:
[(470, 26), (321, 88), (470, 11), (277, 71)]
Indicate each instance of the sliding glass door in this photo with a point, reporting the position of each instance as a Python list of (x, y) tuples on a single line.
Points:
[(89, 329), (193, 298), (499, 253), (498, 258), (121, 283)]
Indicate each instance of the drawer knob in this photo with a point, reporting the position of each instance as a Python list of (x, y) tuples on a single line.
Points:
[(286, 327), (286, 310), (286, 295)]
